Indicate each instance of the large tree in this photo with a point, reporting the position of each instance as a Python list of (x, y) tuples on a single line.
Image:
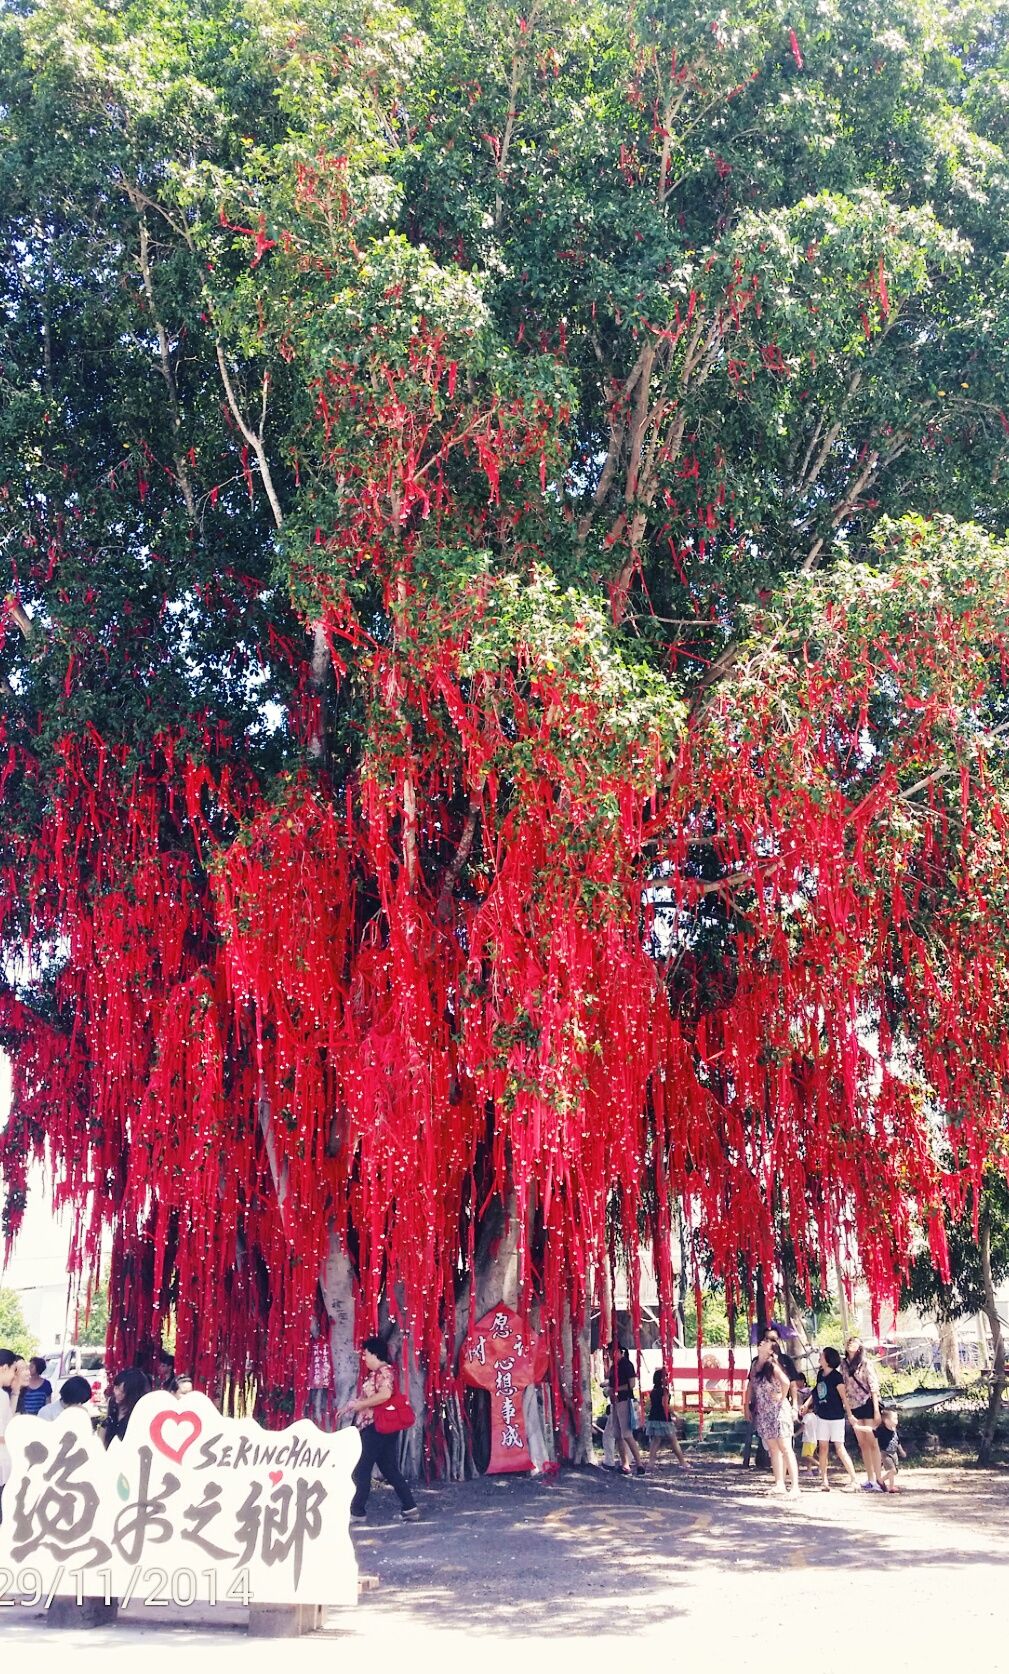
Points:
[(504, 660)]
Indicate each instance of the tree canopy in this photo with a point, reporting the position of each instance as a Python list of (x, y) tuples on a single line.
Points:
[(504, 656), (14, 1332)]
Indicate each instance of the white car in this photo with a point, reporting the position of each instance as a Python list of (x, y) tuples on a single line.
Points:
[(78, 1361)]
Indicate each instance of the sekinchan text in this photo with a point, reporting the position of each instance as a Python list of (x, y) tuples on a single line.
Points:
[(298, 1454)]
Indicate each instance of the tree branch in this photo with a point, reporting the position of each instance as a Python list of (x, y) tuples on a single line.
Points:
[(252, 437), (181, 468), (514, 83), (849, 501), (808, 473), (639, 424), (459, 859), (20, 617), (1000, 731)]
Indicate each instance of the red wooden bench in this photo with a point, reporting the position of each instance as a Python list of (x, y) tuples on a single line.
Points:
[(714, 1386)]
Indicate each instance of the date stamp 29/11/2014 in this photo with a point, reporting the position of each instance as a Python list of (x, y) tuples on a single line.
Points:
[(191, 1507), (152, 1587)]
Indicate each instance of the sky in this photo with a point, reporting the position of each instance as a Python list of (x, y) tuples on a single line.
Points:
[(40, 1254)]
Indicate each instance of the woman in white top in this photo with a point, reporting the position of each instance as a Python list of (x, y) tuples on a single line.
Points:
[(13, 1373), (76, 1392)]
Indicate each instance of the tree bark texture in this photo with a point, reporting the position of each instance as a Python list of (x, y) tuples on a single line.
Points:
[(989, 1427)]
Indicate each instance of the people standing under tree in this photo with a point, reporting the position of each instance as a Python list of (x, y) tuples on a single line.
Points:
[(768, 1407), (127, 1390), (862, 1388), (829, 1402), (618, 1436), (660, 1425), (378, 1386), (36, 1391)]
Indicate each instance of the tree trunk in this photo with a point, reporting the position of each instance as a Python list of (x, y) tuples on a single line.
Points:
[(539, 1427), (760, 1300), (576, 1388), (681, 1277), (337, 1282), (496, 1266), (793, 1317), (457, 1448), (982, 1342), (461, 1463), (494, 1279), (949, 1351), (414, 1382), (842, 1297), (986, 1446)]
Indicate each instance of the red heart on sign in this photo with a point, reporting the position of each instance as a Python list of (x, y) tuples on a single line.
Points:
[(275, 1477), (186, 1427)]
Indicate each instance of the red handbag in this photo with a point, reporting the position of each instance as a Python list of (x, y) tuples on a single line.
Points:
[(394, 1415)]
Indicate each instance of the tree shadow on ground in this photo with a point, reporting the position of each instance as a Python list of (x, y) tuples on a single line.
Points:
[(590, 1554), (516, 1556)]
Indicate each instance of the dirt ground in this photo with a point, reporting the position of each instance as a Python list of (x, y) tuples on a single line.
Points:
[(584, 1569)]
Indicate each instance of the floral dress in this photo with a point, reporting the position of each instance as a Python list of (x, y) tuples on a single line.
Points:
[(380, 1382), (861, 1386), (772, 1410)]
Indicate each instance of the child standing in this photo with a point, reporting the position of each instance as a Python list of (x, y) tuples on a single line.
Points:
[(890, 1450), (808, 1422), (660, 1424)]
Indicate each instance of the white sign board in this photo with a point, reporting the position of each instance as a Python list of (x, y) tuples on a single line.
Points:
[(190, 1506)]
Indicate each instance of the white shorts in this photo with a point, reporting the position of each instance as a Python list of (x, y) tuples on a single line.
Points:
[(830, 1430)]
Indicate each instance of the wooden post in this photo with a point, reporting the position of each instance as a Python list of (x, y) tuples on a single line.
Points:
[(284, 1621), (90, 1613), (294, 1621)]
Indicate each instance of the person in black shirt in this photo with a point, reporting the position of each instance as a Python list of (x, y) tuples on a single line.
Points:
[(660, 1425), (829, 1402), (621, 1422), (890, 1450), (127, 1389)]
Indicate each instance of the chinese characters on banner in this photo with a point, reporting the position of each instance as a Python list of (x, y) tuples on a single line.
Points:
[(320, 1382), (218, 1500), (502, 1355), (320, 1364)]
